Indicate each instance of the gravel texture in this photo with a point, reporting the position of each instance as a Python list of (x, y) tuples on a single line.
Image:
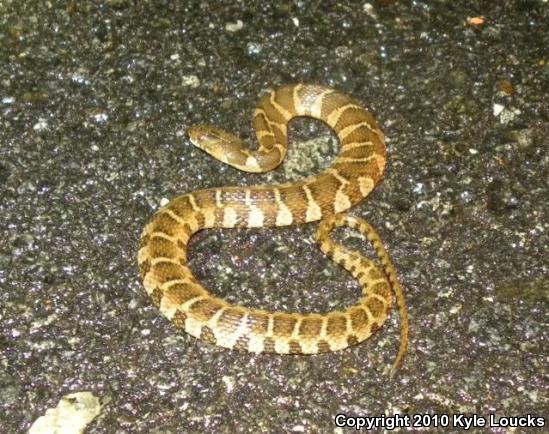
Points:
[(95, 99)]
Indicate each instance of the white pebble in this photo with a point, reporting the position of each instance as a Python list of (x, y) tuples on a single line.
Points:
[(234, 27), (498, 108)]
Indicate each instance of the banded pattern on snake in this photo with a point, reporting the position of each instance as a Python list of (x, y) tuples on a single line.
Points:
[(182, 299)]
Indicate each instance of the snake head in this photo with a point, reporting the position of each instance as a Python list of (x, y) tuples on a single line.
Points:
[(205, 137), (218, 143)]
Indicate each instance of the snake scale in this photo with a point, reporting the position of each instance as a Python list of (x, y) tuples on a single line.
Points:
[(358, 167)]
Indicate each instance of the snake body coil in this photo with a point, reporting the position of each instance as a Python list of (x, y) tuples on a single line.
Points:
[(358, 167)]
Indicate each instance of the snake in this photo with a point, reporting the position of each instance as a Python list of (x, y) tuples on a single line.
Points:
[(358, 167)]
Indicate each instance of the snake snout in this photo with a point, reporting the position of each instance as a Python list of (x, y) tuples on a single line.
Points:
[(197, 134)]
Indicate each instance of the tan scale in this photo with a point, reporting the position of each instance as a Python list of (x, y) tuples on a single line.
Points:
[(182, 299)]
